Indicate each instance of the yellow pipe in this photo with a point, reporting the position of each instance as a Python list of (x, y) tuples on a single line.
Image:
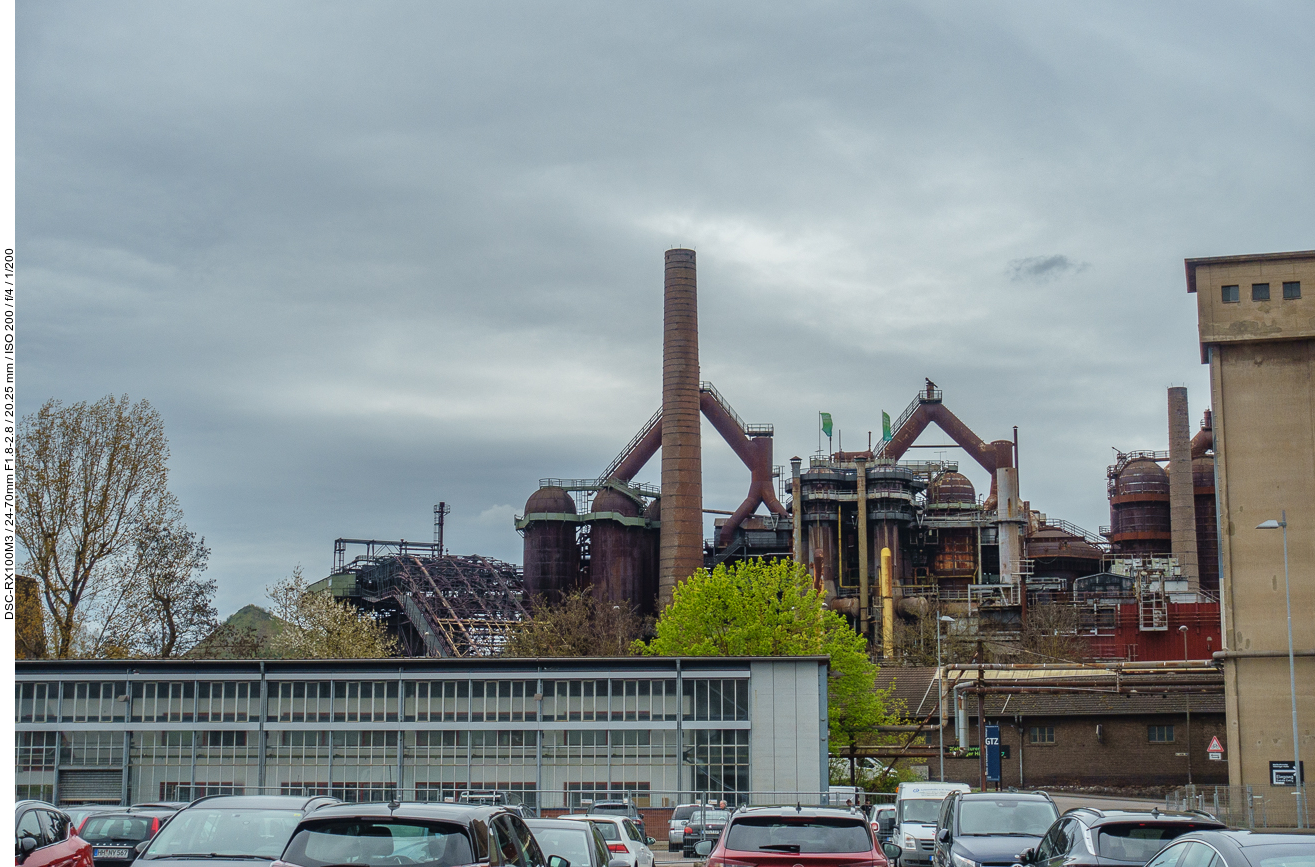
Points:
[(887, 606)]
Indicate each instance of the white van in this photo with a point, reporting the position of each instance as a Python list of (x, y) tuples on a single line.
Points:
[(914, 831)]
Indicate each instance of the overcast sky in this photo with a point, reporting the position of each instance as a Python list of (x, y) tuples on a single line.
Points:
[(364, 257)]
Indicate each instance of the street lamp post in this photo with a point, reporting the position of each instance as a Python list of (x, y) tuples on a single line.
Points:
[(1187, 699), (1271, 524), (940, 693)]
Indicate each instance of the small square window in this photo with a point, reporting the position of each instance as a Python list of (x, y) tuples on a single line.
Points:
[(1159, 734), (1042, 735), (1229, 294), (1259, 291), (1291, 291)]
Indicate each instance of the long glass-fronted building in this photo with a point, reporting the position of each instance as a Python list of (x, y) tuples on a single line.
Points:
[(555, 733)]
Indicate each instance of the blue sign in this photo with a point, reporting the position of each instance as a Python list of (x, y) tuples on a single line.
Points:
[(993, 754)]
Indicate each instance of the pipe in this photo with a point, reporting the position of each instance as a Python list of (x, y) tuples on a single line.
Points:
[(960, 716), (864, 588), (681, 539), (797, 501), (887, 605)]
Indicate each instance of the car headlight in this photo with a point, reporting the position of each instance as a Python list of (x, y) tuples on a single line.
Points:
[(960, 861), (910, 841)]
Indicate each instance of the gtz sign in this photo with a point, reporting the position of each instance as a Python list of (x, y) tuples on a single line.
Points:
[(993, 754)]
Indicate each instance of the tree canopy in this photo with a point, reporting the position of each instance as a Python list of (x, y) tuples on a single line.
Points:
[(317, 626), (761, 608)]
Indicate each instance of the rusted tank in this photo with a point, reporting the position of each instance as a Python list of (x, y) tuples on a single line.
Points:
[(552, 554), (619, 553), (1207, 524), (1139, 509), (951, 489)]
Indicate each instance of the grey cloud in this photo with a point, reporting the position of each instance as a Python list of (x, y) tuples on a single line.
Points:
[(1043, 268)]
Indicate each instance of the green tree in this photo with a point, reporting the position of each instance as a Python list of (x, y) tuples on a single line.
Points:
[(762, 608), (317, 626), (92, 481), (578, 625), (29, 621)]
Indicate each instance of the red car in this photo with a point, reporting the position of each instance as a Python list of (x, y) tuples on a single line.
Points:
[(796, 837), (43, 837)]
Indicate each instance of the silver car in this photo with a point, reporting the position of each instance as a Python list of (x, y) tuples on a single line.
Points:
[(623, 837), (676, 827)]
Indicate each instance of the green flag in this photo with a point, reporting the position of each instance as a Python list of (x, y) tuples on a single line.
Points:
[(826, 423), (885, 426)]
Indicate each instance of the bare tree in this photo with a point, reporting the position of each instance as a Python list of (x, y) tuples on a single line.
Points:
[(1051, 633), (92, 480), (578, 625), (173, 607)]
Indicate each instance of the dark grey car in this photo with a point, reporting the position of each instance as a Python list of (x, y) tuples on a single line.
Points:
[(228, 831)]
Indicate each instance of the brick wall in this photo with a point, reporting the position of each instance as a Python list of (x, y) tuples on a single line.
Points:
[(1122, 755)]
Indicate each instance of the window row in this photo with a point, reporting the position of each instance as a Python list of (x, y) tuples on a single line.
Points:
[(1158, 734), (1260, 292), (624, 700)]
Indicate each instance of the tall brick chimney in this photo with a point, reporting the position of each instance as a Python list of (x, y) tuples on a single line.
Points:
[(1182, 501), (681, 550)]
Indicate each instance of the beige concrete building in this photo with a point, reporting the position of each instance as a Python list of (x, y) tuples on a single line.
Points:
[(1257, 332)]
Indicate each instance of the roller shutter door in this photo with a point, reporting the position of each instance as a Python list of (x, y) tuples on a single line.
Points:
[(81, 787)]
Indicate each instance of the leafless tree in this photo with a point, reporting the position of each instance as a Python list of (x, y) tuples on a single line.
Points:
[(578, 625)]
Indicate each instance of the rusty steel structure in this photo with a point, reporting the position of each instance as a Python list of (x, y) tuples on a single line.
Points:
[(681, 551), (436, 604)]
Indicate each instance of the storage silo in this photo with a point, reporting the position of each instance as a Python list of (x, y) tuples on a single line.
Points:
[(552, 554), (956, 549), (618, 551)]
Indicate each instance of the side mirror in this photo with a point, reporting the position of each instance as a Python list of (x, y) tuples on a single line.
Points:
[(1027, 855), (558, 861), (943, 835), (141, 847), (702, 848), (26, 846), (892, 852), (650, 840)]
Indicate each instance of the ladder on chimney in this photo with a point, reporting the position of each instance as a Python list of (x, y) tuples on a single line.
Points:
[(1152, 610)]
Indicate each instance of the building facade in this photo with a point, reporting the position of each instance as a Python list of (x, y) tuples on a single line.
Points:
[(1257, 332), (555, 733)]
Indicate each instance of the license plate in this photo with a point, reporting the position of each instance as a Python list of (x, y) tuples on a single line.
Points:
[(113, 854)]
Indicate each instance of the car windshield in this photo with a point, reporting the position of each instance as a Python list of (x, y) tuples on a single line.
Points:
[(921, 810), (1282, 855), (620, 809), (569, 843), (200, 832), (365, 842), (117, 829), (1005, 817), (1139, 842), (775, 834), (709, 817)]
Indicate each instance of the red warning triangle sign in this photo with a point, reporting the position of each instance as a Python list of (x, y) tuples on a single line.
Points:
[(1215, 745)]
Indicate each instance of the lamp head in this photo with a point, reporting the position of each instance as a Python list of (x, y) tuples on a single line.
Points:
[(946, 619), (1271, 524), (1182, 628)]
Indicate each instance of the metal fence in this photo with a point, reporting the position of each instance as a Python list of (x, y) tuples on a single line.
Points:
[(1243, 806)]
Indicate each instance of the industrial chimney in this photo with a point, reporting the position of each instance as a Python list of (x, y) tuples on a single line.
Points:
[(681, 551), (1182, 502)]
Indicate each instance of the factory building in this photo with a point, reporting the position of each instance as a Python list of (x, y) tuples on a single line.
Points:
[(555, 733), (1256, 320), (885, 537)]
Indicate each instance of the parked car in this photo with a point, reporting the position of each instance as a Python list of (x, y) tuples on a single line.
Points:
[(1238, 849), (676, 827), (618, 808), (43, 837), (795, 837), (705, 825), (114, 835), (987, 828), (77, 815), (578, 842), (435, 835), (623, 838), (229, 830), (883, 821), (1089, 837)]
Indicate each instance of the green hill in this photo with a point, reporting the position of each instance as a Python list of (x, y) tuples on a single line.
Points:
[(244, 635)]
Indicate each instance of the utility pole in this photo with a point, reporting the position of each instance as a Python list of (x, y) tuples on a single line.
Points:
[(981, 717)]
